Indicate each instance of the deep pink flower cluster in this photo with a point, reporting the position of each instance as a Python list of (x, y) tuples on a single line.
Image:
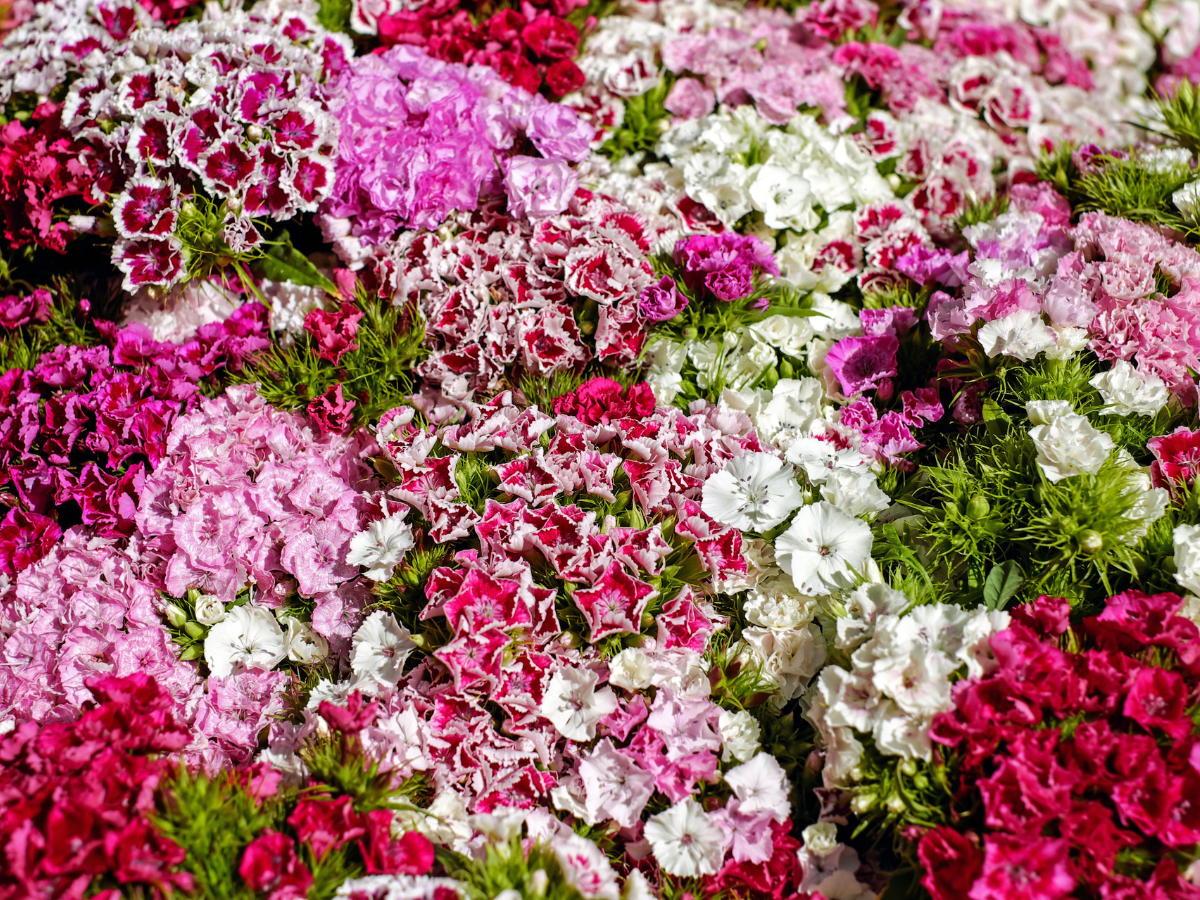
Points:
[(76, 798), (725, 266), (422, 137), (528, 47), (502, 296), (86, 424), (1082, 748), (39, 167)]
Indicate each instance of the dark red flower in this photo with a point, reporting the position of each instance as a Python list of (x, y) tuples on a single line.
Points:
[(951, 861), (551, 37), (270, 865), (410, 854), (326, 824)]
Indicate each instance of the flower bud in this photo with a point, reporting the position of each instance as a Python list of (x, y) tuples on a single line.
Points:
[(1091, 541), (978, 507), (862, 803), (176, 616)]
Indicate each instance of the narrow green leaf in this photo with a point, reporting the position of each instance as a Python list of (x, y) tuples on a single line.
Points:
[(1002, 582)]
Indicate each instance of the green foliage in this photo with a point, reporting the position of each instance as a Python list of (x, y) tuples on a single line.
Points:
[(646, 119), (21, 347), (338, 761), (283, 262), (894, 793), (978, 211), (1180, 113), (214, 820), (201, 230), (1118, 185), (535, 875), (334, 15), (378, 374)]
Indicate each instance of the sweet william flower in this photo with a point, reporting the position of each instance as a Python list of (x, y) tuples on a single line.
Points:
[(382, 546), (304, 645), (270, 865), (537, 188), (630, 669), (754, 492), (1029, 866), (822, 548), (1187, 557), (762, 786), (248, 636), (1070, 446), (332, 412), (25, 537), (662, 301), (685, 841), (209, 609), (380, 648), (573, 705), (1126, 391), (740, 734)]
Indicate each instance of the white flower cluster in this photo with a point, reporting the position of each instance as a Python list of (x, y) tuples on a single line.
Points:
[(899, 677), (251, 637), (735, 162)]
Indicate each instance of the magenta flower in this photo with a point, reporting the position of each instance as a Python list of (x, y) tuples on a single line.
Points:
[(860, 363)]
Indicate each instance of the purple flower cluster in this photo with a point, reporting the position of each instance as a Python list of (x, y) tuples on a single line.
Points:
[(723, 265), (422, 137)]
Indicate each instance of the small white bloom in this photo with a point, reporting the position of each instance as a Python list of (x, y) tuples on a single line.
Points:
[(820, 459), (761, 785), (740, 735), (1126, 391), (863, 606), (379, 650), (788, 334), (247, 636), (209, 610), (790, 656), (1070, 446), (685, 841), (855, 492), (382, 546), (304, 645), (775, 603), (822, 547), (1187, 557), (630, 669), (784, 198), (1021, 335), (754, 492), (821, 838), (573, 705), (1043, 412), (1187, 198)]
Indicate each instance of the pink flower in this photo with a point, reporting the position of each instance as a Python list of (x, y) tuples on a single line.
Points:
[(1176, 457), (860, 363), (602, 400), (326, 824), (17, 311), (951, 861), (334, 331), (690, 99), (615, 604), (1035, 868), (332, 412), (25, 537), (410, 854), (538, 187), (1158, 699), (662, 301), (270, 864)]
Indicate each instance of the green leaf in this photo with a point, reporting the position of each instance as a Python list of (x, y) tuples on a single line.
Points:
[(283, 262), (1002, 582)]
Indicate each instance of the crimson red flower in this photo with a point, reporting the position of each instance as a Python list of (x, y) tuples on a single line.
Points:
[(552, 37), (334, 331), (564, 77), (410, 854), (951, 861), (602, 400), (270, 864), (1158, 699), (25, 537), (332, 412), (1176, 458), (326, 824)]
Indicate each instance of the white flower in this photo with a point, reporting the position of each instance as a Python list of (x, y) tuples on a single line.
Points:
[(784, 198), (665, 360), (855, 491), (209, 610), (898, 733), (573, 705), (820, 839), (304, 645), (379, 649), (1187, 557), (1021, 335), (630, 669), (822, 547), (820, 459), (774, 603), (762, 786), (1069, 446), (1043, 412), (863, 606), (790, 656), (740, 734), (754, 492), (382, 546), (788, 334), (1126, 391), (685, 841), (1187, 198), (248, 636), (793, 406)]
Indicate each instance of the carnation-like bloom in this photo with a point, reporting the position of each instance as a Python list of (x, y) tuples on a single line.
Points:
[(754, 492), (1069, 446), (248, 636), (382, 546), (1126, 391), (685, 841), (822, 547), (381, 646), (573, 705)]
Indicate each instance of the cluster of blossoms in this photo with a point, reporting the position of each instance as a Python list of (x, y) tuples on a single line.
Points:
[(78, 796), (529, 47), (1079, 743), (228, 110), (422, 137), (85, 425), (506, 294)]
